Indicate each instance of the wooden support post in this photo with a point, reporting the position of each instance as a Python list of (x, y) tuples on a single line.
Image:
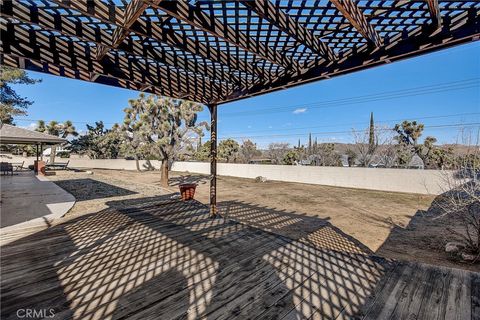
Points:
[(38, 156), (213, 160)]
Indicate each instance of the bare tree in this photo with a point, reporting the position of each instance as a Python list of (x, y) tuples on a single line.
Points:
[(362, 147), (385, 149), (382, 151), (248, 151), (327, 156), (461, 198), (276, 151)]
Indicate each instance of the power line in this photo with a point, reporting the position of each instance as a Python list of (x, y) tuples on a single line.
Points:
[(455, 125), (423, 90), (364, 122), (427, 87), (415, 91)]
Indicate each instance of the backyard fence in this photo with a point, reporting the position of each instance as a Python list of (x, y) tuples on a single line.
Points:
[(396, 180)]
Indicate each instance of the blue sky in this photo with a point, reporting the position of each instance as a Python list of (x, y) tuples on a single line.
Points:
[(441, 88)]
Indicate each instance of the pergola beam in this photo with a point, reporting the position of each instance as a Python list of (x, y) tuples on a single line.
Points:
[(132, 12), (56, 22), (35, 45), (434, 10), (197, 18), (270, 12), (156, 51), (357, 19), (98, 10), (465, 28), (15, 61)]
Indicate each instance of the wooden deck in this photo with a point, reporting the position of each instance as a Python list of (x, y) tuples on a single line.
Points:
[(165, 259)]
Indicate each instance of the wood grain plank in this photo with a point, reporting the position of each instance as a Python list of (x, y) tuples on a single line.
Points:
[(475, 289), (387, 299), (419, 286), (458, 304)]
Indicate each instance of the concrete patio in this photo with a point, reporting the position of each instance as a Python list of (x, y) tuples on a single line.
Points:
[(29, 200)]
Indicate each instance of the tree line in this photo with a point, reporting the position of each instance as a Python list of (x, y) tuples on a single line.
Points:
[(160, 128)]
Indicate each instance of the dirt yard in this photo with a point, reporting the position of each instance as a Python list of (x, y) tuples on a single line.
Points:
[(393, 225)]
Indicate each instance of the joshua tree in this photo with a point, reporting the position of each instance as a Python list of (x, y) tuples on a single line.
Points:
[(11, 103), (228, 149), (291, 157), (409, 132), (162, 125), (98, 142), (203, 152)]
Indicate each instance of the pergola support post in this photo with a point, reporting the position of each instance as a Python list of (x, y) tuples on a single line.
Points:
[(213, 160)]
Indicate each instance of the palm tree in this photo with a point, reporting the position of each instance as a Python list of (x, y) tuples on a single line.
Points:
[(61, 130), (53, 128), (41, 126), (68, 129)]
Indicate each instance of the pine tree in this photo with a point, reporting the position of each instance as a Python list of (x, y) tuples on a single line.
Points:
[(13, 104)]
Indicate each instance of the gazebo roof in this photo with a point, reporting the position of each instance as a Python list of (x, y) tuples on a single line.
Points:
[(15, 135), (220, 51)]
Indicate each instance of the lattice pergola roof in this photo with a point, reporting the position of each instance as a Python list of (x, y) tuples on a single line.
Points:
[(219, 51)]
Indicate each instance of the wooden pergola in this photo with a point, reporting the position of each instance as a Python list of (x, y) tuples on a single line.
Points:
[(215, 52)]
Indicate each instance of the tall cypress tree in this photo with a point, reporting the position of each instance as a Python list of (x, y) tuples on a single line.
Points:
[(309, 143), (371, 138)]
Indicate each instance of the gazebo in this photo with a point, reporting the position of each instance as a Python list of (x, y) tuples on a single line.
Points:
[(15, 135), (215, 52)]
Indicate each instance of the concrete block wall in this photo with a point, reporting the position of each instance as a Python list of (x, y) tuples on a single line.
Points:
[(396, 180)]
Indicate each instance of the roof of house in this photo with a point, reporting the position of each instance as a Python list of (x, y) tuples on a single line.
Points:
[(15, 135)]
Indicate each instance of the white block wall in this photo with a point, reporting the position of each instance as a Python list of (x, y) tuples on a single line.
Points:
[(397, 180)]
